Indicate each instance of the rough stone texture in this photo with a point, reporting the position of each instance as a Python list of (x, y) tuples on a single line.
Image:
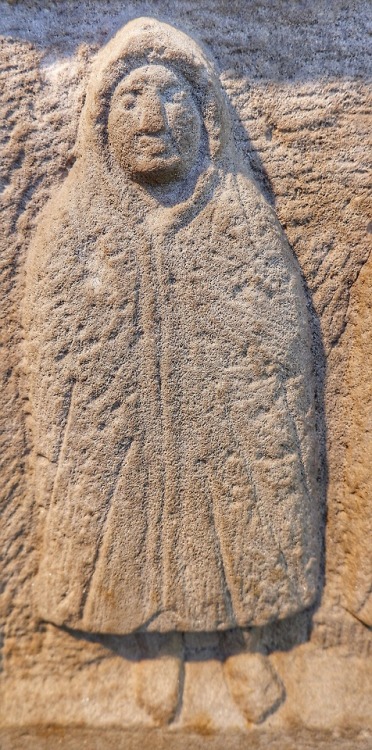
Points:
[(358, 442), (85, 739), (297, 77), (168, 366)]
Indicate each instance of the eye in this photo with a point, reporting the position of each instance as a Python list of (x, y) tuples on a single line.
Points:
[(179, 96), (129, 99), (175, 96)]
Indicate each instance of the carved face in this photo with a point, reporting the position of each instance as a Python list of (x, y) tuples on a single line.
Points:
[(154, 125)]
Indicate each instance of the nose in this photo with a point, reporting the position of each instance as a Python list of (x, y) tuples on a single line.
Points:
[(153, 119)]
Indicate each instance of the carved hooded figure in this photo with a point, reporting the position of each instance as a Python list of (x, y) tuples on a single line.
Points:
[(170, 370)]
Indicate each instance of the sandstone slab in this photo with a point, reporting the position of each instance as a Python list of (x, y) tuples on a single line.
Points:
[(104, 633)]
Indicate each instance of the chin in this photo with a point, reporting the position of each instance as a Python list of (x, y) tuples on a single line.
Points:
[(159, 171)]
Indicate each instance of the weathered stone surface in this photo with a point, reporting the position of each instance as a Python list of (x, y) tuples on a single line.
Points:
[(75, 739), (358, 469), (254, 685), (168, 366), (296, 76)]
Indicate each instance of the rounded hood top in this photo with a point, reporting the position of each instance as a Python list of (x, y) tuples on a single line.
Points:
[(146, 41)]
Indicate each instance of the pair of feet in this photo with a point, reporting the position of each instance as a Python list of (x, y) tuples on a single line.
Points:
[(252, 682)]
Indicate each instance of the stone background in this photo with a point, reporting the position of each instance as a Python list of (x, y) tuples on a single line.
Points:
[(297, 75)]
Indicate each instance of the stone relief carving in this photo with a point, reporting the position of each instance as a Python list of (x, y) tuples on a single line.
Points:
[(170, 366)]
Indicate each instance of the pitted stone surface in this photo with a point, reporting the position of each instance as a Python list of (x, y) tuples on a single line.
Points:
[(296, 77), (168, 366)]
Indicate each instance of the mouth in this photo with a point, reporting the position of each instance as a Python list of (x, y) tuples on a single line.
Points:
[(158, 145)]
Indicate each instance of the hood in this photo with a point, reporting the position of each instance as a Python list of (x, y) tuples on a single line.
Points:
[(146, 41)]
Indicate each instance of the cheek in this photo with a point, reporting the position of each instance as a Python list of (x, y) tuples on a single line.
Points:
[(120, 128), (185, 125)]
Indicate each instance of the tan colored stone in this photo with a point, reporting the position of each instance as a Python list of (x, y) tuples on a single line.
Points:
[(168, 366), (159, 681), (157, 690), (208, 706), (296, 76), (325, 688), (358, 458), (255, 686)]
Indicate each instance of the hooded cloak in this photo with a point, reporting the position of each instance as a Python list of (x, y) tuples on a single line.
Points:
[(171, 382)]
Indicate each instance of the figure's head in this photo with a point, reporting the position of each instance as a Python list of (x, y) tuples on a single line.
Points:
[(154, 125), (154, 108)]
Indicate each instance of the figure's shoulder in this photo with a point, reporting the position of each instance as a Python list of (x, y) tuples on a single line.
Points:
[(254, 201), (60, 222)]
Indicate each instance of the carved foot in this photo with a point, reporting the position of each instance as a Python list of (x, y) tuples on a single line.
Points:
[(254, 685), (158, 685)]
